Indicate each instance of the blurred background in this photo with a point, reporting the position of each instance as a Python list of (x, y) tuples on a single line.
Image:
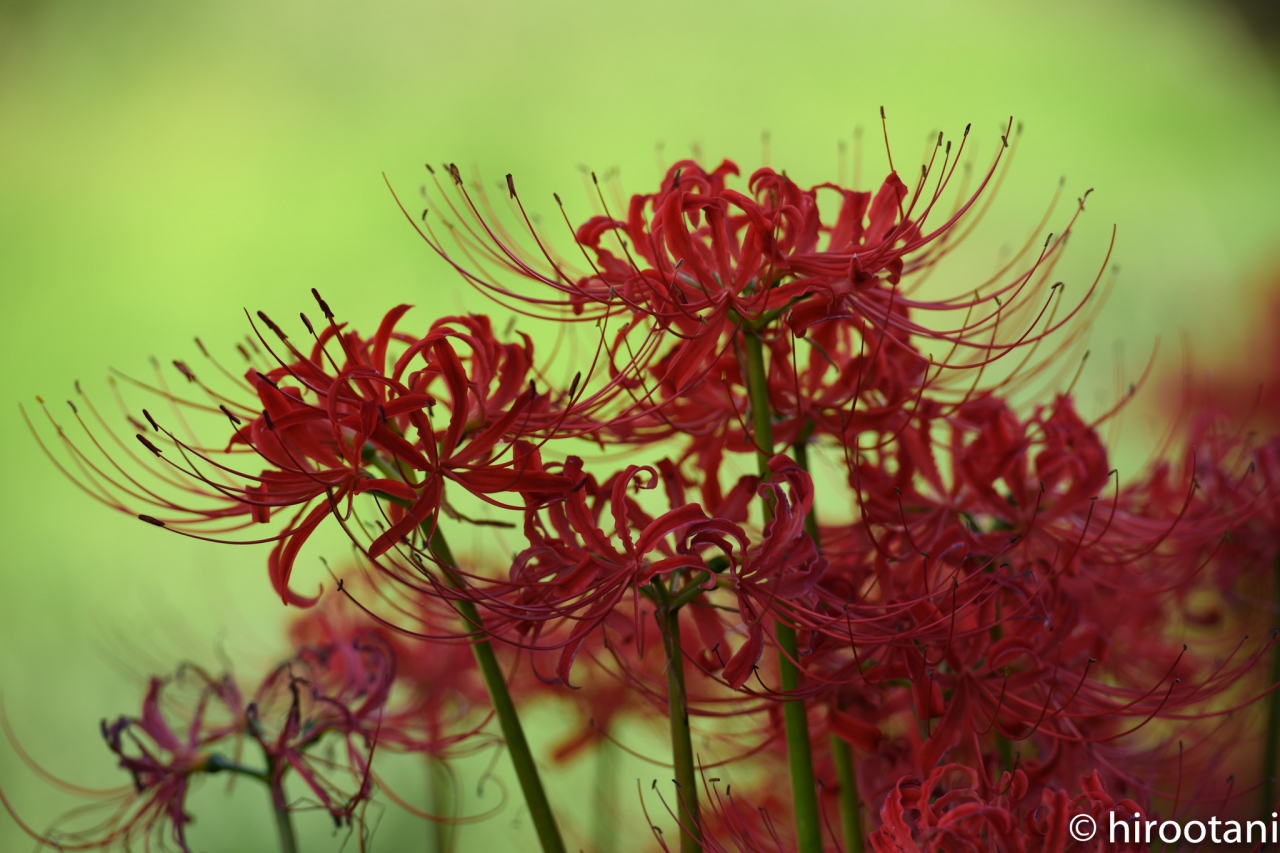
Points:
[(164, 166)]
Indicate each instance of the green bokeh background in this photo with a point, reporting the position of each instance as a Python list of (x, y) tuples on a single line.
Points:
[(163, 165)]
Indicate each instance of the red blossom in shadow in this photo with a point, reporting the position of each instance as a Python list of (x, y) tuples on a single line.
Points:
[(320, 715), (947, 811)]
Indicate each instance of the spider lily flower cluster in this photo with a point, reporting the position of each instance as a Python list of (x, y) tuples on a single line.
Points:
[(317, 718), (980, 630)]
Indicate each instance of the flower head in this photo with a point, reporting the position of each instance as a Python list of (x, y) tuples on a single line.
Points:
[(397, 416)]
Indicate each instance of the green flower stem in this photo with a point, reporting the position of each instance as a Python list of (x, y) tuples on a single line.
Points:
[(1271, 765), (441, 795), (841, 752), (284, 818), (796, 721), (850, 803), (678, 711), (544, 820), (284, 826)]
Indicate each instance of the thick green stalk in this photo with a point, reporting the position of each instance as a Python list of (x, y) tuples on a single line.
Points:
[(544, 820), (804, 793), (841, 752), (681, 742), (1271, 760), (284, 818), (284, 826), (850, 804), (441, 796)]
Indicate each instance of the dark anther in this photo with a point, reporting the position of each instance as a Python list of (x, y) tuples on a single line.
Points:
[(966, 128), (511, 185), (184, 370), (324, 306), (429, 169), (272, 326), (147, 444), (74, 410), (457, 175), (882, 113), (533, 390), (594, 179), (339, 584), (306, 323), (424, 214), (266, 416), (675, 182), (77, 387), (266, 379), (149, 520), (234, 420), (155, 426), (573, 387), (200, 345)]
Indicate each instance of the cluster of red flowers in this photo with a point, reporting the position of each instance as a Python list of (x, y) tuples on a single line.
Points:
[(976, 611), (318, 717)]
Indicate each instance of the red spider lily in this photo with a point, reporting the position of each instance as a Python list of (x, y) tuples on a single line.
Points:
[(334, 694), (702, 263), (438, 709), (991, 592), (699, 257), (166, 751), (991, 613), (781, 572), (947, 811), (576, 571), (165, 762), (330, 691), (352, 416)]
